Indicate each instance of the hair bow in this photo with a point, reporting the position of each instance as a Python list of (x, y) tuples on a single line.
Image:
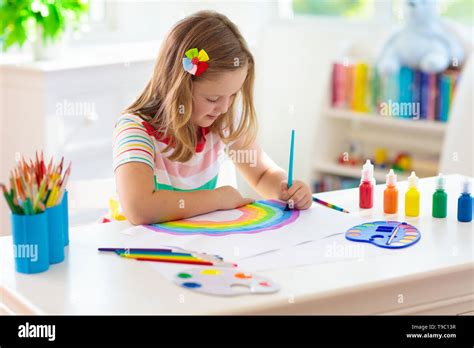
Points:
[(195, 62)]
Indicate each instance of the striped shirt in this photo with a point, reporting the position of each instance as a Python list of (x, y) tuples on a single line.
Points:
[(134, 140)]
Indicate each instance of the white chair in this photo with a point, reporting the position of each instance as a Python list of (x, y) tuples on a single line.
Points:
[(88, 200)]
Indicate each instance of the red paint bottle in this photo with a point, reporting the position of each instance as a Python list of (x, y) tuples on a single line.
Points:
[(366, 187)]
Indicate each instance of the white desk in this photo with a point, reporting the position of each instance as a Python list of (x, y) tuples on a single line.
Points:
[(436, 277)]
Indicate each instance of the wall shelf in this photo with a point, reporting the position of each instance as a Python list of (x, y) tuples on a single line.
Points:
[(352, 171), (386, 121)]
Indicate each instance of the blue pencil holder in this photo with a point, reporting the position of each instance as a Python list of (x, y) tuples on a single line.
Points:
[(65, 209), (30, 243), (55, 216)]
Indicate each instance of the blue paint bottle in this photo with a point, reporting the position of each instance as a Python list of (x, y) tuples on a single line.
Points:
[(465, 203)]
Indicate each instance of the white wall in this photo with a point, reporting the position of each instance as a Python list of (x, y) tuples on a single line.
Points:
[(293, 66), (130, 21)]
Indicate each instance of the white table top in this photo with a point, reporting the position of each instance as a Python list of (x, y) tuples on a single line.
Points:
[(89, 283)]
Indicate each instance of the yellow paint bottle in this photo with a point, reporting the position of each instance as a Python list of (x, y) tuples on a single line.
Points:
[(412, 197)]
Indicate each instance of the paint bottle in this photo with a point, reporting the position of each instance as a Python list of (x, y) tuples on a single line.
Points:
[(390, 195), (440, 198), (465, 202), (412, 197), (366, 187)]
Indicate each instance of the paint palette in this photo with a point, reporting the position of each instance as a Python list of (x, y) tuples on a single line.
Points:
[(224, 282), (379, 233)]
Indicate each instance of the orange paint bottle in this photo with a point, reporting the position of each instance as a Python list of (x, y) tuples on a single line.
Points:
[(390, 195)]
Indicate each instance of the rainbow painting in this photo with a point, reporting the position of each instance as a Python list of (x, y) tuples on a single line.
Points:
[(257, 217)]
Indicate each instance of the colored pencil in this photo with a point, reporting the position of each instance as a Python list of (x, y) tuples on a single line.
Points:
[(153, 251), (28, 207), (8, 198), (290, 164), (135, 249), (50, 165), (52, 197), (159, 255), (329, 205), (203, 263), (33, 186), (168, 255), (64, 183), (154, 255), (60, 167), (19, 210), (164, 253), (41, 206)]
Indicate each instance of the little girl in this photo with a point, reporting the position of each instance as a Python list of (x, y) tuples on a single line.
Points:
[(168, 143)]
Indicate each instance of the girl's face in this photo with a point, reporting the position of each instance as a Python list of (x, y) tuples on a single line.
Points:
[(213, 98)]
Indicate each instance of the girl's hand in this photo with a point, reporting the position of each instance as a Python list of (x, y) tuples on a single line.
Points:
[(229, 198), (298, 195)]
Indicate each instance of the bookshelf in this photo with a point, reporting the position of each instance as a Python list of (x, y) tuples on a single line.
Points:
[(423, 139), (350, 130)]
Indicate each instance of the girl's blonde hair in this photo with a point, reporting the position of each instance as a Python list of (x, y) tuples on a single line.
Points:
[(166, 101)]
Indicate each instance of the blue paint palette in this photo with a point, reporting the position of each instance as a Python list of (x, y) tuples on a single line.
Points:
[(379, 233)]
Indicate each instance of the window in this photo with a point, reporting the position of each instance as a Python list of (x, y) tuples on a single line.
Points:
[(341, 8), (458, 10)]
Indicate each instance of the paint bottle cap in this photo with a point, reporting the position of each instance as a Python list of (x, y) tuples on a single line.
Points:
[(391, 178), (466, 186), (440, 182), (412, 180), (367, 171)]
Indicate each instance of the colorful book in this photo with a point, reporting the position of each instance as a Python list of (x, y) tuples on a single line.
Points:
[(424, 94), (405, 90), (444, 99), (416, 94), (431, 97), (349, 78), (391, 90), (338, 85), (360, 88), (407, 93), (375, 90)]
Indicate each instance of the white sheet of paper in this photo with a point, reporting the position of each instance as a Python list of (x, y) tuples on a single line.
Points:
[(332, 249), (313, 224), (327, 250)]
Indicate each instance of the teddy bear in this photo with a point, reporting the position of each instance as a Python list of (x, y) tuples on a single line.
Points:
[(424, 43)]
